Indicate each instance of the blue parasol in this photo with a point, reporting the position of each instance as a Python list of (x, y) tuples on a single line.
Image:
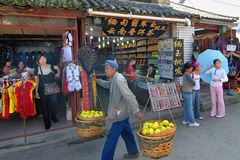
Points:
[(206, 59)]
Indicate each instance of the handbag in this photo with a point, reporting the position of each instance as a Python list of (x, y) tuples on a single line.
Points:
[(50, 88)]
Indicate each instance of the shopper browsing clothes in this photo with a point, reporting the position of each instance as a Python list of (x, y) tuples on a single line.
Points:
[(121, 103), (8, 70), (196, 91), (24, 72), (219, 76), (7, 67), (47, 89), (188, 84)]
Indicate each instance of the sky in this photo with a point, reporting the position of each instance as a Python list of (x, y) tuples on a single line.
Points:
[(223, 7)]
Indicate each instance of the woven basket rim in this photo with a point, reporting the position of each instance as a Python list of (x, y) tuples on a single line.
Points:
[(163, 134), (160, 135), (89, 120)]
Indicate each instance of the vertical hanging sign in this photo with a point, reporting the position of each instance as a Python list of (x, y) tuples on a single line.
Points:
[(178, 57)]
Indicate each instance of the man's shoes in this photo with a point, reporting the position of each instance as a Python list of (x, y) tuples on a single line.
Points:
[(55, 120), (130, 156)]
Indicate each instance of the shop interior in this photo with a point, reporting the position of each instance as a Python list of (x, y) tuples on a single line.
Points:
[(25, 44), (121, 49)]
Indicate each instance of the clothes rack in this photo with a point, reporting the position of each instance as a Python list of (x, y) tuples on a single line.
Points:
[(24, 118)]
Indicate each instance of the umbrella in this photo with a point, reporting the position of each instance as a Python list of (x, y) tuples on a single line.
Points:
[(206, 60)]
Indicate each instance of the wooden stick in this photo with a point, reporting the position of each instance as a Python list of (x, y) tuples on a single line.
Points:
[(139, 76)]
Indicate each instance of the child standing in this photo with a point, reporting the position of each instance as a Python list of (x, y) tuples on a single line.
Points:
[(196, 91), (188, 84), (219, 76)]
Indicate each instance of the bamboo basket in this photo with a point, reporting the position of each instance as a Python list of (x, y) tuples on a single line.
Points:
[(157, 145), (169, 132), (90, 128)]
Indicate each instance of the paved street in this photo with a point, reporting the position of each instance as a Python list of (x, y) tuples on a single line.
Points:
[(216, 139)]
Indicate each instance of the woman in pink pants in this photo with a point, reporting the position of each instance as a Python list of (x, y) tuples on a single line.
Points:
[(219, 76)]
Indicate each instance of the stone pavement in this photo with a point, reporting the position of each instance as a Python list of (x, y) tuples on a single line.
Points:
[(216, 139), (66, 131)]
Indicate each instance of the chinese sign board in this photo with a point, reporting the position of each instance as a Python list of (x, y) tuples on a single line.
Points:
[(178, 57), (164, 96), (171, 58), (133, 28)]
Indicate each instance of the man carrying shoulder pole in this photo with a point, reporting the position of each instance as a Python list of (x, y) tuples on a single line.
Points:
[(122, 102)]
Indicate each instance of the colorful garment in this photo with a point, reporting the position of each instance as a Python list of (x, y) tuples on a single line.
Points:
[(94, 90), (86, 100), (11, 95), (18, 96), (5, 103), (30, 108), (65, 83)]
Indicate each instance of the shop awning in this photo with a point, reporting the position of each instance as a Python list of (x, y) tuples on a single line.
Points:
[(103, 5), (123, 6)]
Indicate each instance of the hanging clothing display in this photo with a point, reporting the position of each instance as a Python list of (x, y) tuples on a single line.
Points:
[(88, 58), (71, 79), (18, 96), (85, 92), (12, 99), (5, 103), (12, 108), (67, 49), (30, 108)]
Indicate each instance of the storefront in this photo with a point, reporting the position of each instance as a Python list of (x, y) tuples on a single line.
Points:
[(122, 37), (28, 32), (110, 29)]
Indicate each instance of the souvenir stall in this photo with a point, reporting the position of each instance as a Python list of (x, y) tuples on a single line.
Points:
[(150, 43), (17, 97), (121, 39), (25, 35)]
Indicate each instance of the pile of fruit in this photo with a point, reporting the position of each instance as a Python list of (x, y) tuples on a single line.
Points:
[(156, 127), (237, 90), (90, 114)]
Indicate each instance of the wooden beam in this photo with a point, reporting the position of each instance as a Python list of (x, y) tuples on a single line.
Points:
[(37, 27), (82, 36)]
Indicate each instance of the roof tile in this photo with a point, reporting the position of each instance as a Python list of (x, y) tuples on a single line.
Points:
[(118, 6)]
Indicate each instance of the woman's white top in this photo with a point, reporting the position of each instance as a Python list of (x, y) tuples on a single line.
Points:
[(219, 74), (196, 78)]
